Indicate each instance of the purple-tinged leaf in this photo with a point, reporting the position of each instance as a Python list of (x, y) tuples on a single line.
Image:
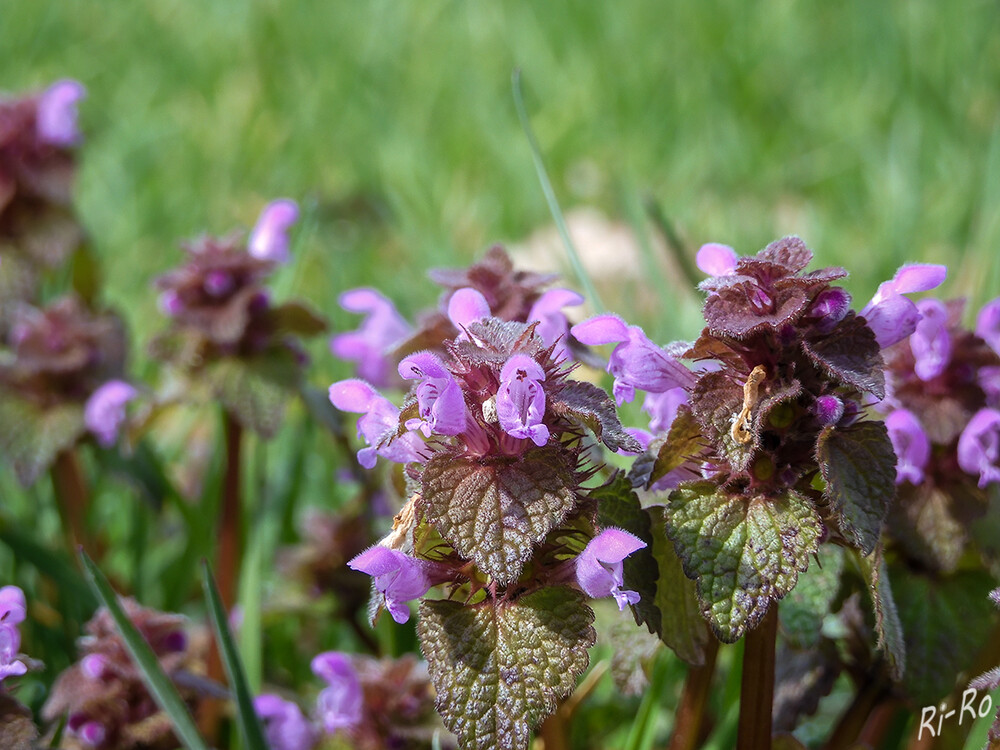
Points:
[(851, 355), (495, 511), (31, 436), (745, 308), (744, 552), (790, 252), (685, 440), (859, 467), (590, 405), (888, 629), (500, 668)]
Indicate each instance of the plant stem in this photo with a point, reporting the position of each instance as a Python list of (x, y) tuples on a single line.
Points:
[(73, 499), (228, 552), (757, 686), (854, 719), (691, 711)]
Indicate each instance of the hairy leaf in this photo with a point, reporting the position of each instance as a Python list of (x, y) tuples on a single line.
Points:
[(887, 625), (684, 440), (681, 625), (850, 355), (17, 730), (716, 402), (495, 511), (803, 610), (592, 406), (32, 436), (859, 466), (946, 621), (256, 390), (500, 668), (744, 552), (922, 522), (790, 252), (297, 318), (731, 311)]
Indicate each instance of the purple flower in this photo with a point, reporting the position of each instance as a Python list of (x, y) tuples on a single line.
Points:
[(440, 402), (988, 324), (218, 283), (94, 666), (339, 705), (13, 610), (662, 408), (378, 424), (171, 303), (599, 568), (716, 260), (269, 238), (521, 399), (636, 362), (979, 446), (911, 445), (399, 577), (104, 412), (467, 306), (380, 331), (285, 726), (56, 119), (995, 596), (828, 410), (892, 316), (91, 733), (13, 607), (830, 307), (931, 343), (552, 324)]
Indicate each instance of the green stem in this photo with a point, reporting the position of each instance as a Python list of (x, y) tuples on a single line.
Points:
[(690, 716), (757, 685)]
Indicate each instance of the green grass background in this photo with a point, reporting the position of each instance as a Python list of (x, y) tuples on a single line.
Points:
[(871, 129)]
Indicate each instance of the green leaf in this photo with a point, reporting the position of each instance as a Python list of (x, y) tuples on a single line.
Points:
[(155, 679), (247, 720), (803, 610), (591, 405), (255, 390), (495, 511), (500, 668), (744, 552), (297, 318), (685, 439), (681, 624), (85, 270), (32, 436), (887, 625), (859, 466), (945, 622)]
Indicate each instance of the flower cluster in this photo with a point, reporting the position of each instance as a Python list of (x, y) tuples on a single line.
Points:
[(773, 394), (37, 166), (943, 416), (490, 287), (63, 361), (376, 703), (103, 696), (13, 610)]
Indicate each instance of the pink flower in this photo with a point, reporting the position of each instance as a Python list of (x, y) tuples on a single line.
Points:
[(104, 412), (399, 577), (269, 238), (599, 569), (521, 399), (57, 113)]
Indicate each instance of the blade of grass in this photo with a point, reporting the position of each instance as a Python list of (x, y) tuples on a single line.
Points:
[(550, 196), (640, 735), (249, 724), (156, 680), (977, 739)]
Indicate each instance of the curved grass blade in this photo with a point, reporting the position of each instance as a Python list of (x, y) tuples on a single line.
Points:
[(246, 717), (156, 680), (550, 196)]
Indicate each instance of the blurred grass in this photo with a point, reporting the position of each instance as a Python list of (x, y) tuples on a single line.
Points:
[(871, 129)]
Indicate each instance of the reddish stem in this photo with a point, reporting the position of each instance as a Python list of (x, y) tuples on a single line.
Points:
[(690, 714), (73, 499), (757, 685), (230, 519)]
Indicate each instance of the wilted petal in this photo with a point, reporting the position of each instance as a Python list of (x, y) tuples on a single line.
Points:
[(399, 577), (56, 120), (104, 412), (520, 399), (284, 724), (599, 570), (716, 260), (269, 238), (911, 445), (339, 706), (931, 342), (979, 446), (467, 306)]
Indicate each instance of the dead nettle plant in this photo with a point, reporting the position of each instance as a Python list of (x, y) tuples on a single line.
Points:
[(229, 343)]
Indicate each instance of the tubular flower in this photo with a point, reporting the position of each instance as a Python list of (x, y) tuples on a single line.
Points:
[(599, 570), (911, 445), (892, 316), (12, 614), (521, 399), (552, 324), (285, 726), (397, 576), (439, 397), (269, 238), (57, 113), (340, 704), (979, 446), (931, 342), (370, 345), (104, 412), (378, 424)]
